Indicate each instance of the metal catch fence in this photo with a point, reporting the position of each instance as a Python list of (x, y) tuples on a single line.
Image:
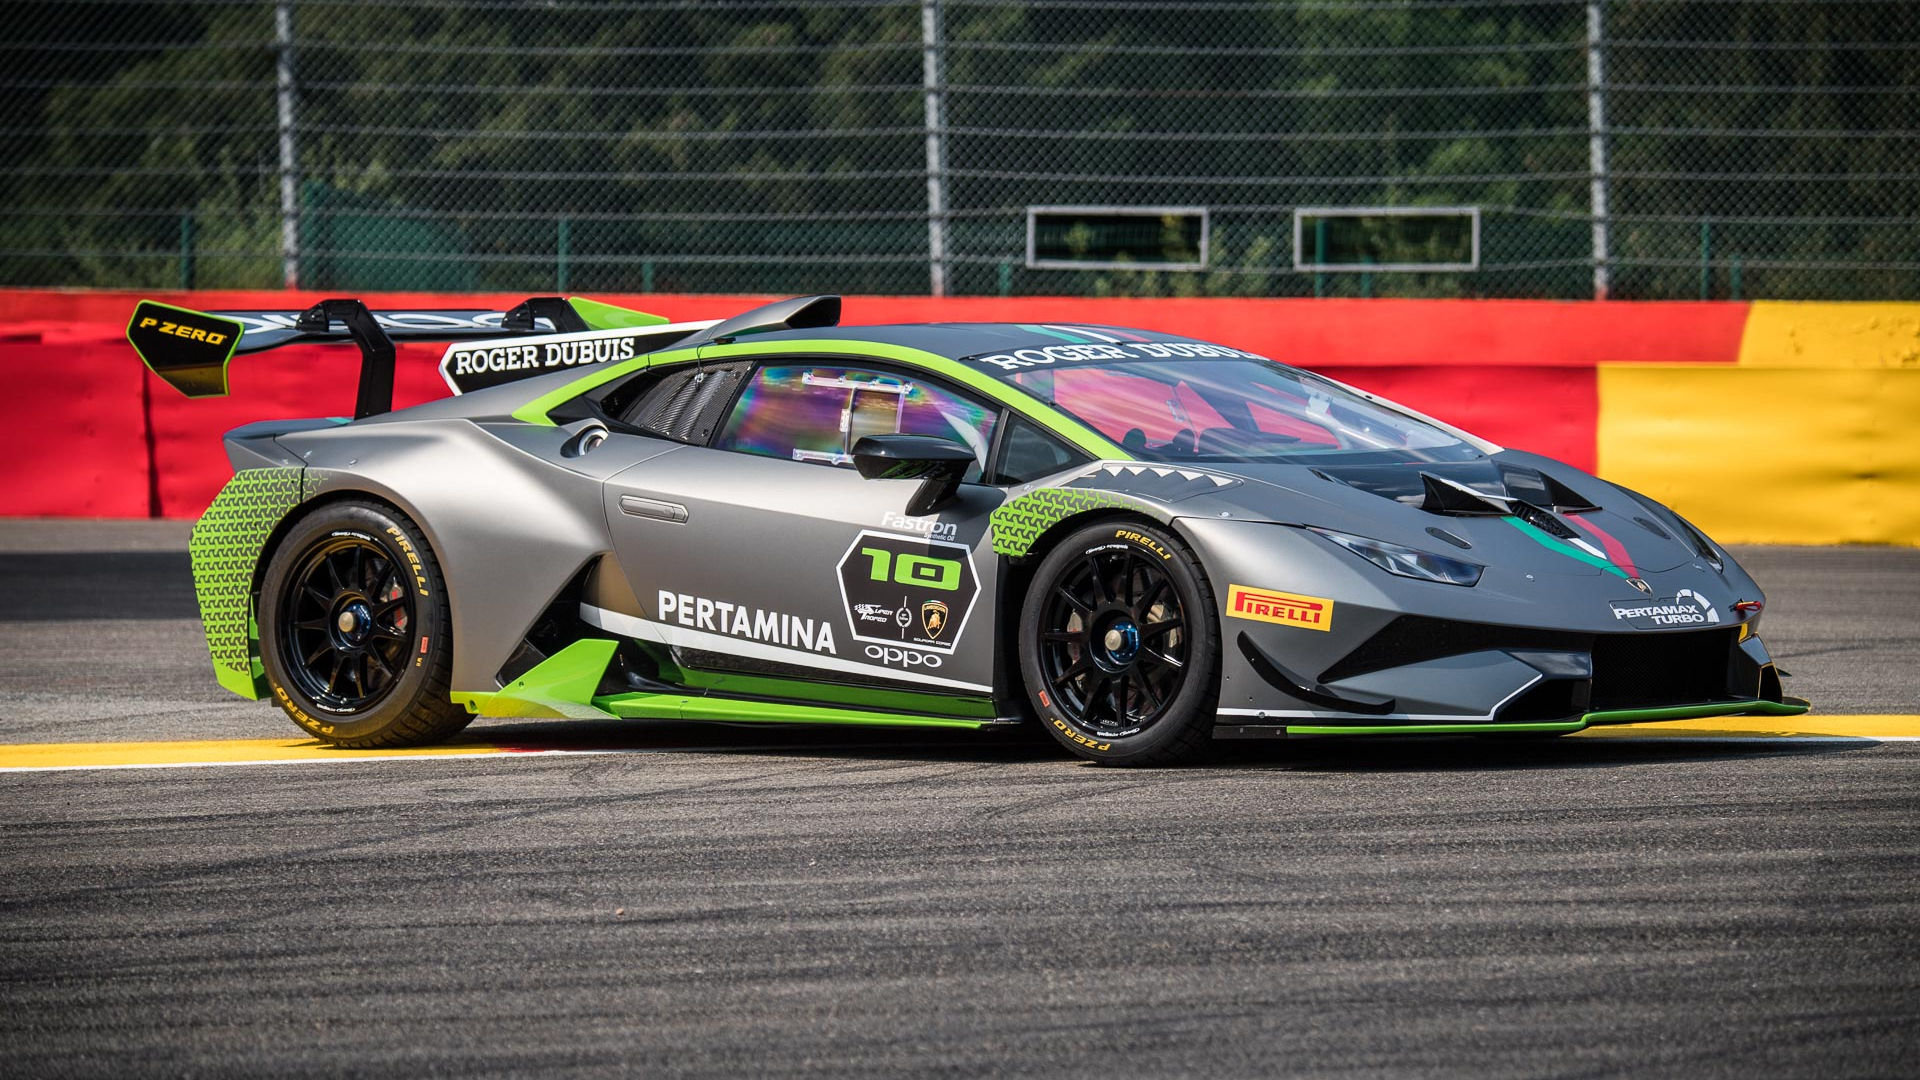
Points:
[(1664, 149)]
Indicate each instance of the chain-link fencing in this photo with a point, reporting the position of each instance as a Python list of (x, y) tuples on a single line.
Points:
[(1665, 149)]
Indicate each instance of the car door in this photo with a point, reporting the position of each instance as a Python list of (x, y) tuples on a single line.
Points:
[(765, 552)]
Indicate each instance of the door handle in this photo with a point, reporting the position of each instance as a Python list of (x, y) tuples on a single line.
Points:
[(652, 508)]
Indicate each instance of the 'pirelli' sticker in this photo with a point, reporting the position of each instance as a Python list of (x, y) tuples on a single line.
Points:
[(1285, 608)]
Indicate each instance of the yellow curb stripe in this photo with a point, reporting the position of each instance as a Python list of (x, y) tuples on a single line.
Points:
[(1769, 727), (109, 755), (43, 757)]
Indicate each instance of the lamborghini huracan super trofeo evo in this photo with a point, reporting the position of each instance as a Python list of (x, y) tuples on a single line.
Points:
[(1143, 542)]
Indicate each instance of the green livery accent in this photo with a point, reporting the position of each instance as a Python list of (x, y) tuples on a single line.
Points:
[(561, 687), (225, 551), (599, 316), (1555, 544), (1060, 424), (1019, 522), (1690, 712), (681, 707), (1562, 727)]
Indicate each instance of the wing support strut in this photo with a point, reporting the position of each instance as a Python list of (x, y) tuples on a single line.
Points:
[(375, 395)]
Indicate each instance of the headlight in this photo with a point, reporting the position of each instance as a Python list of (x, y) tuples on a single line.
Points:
[(1407, 562)]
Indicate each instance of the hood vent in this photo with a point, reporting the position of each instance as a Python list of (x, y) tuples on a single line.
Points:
[(1450, 497), (1458, 500), (1541, 489)]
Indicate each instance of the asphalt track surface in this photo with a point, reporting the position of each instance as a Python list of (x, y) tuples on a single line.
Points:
[(684, 900)]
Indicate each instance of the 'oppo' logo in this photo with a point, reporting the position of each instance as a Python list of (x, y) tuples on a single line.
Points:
[(887, 654)]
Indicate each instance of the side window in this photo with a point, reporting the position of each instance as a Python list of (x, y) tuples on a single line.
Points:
[(1136, 410), (1029, 454), (816, 413)]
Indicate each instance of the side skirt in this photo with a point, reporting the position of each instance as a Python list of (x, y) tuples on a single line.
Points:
[(567, 685)]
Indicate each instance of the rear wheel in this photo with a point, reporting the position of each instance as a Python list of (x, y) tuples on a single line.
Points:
[(1119, 647), (354, 632)]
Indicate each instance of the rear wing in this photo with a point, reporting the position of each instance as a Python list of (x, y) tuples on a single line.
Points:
[(190, 350)]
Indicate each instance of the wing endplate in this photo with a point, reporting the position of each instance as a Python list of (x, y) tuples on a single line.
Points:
[(187, 349)]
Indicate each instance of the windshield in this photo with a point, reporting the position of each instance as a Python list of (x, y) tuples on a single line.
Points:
[(1220, 410)]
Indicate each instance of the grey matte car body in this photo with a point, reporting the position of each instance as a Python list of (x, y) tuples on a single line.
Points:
[(711, 583)]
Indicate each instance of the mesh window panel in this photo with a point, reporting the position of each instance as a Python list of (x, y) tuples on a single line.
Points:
[(686, 405)]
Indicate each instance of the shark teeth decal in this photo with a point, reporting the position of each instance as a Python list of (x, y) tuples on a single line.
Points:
[(1161, 483), (1163, 471)]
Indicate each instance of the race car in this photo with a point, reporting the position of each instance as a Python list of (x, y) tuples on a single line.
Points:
[(1145, 543)]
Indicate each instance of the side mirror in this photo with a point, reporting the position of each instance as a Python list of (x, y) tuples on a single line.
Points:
[(937, 463)]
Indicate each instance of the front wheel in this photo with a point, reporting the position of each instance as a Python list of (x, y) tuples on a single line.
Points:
[(1119, 647), (354, 631)]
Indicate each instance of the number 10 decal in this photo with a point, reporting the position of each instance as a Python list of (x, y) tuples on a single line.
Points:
[(907, 590), (943, 574)]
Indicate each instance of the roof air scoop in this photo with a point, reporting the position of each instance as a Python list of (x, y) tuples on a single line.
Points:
[(799, 313), (1449, 497)]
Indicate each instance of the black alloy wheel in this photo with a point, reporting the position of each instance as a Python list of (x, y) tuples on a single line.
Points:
[(1119, 645), (1112, 653), (348, 623), (354, 629)]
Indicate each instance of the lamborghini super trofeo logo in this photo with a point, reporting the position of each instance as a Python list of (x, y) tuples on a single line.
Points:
[(1684, 608)]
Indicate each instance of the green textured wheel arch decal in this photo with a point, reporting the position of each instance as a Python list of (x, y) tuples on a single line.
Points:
[(1020, 521), (225, 550), (1053, 420)]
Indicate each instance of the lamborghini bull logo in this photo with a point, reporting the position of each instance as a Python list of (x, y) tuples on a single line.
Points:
[(933, 618)]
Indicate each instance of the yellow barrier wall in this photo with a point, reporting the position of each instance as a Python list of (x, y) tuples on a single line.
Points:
[(1811, 437)]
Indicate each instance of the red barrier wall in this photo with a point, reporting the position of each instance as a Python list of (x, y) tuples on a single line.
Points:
[(1521, 373), (78, 445)]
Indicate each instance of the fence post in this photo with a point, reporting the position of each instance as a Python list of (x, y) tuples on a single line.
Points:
[(563, 244), (933, 81), (1597, 141), (289, 163)]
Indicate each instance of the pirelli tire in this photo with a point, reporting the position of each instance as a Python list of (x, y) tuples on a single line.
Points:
[(355, 634), (1120, 648)]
